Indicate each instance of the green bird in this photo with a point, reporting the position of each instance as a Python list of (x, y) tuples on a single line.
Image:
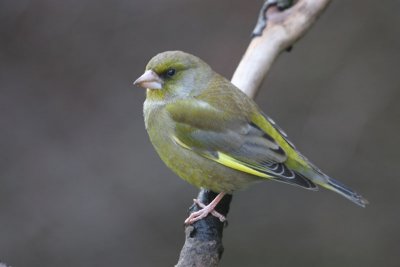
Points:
[(215, 137)]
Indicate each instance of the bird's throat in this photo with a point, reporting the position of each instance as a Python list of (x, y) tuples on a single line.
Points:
[(155, 94)]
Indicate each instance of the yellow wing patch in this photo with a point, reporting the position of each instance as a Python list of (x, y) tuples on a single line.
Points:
[(226, 161), (179, 142), (237, 165)]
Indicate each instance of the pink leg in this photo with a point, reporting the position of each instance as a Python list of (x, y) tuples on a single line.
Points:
[(198, 215), (213, 212)]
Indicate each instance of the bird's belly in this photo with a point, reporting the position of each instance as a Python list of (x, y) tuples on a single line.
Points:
[(197, 170), (203, 172)]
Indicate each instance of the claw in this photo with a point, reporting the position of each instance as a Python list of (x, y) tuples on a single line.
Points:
[(198, 215), (214, 213)]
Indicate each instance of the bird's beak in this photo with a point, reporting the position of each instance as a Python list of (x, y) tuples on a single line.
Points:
[(149, 80)]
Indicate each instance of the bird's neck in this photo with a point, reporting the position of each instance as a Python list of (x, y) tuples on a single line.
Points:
[(155, 94)]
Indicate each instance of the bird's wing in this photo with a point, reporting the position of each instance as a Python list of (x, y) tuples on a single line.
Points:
[(235, 142)]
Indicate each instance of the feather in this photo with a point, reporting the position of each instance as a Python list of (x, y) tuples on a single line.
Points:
[(237, 144)]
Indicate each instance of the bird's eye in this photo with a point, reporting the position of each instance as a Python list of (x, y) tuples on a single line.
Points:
[(171, 72)]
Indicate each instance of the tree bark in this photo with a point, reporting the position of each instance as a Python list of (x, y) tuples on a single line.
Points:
[(203, 243), (276, 31)]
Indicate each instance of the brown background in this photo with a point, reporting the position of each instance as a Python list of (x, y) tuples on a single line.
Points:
[(80, 184)]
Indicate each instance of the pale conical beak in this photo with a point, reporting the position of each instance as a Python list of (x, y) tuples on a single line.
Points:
[(149, 80)]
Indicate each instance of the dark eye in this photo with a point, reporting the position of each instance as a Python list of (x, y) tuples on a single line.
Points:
[(171, 72)]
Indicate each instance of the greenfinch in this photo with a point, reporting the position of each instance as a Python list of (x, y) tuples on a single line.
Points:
[(215, 137)]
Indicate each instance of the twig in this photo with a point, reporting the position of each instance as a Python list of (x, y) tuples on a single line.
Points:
[(203, 243), (282, 31)]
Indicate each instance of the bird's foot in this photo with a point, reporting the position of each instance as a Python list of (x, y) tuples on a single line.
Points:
[(205, 210)]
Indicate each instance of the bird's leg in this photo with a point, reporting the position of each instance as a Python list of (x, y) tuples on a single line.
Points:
[(214, 213), (198, 215)]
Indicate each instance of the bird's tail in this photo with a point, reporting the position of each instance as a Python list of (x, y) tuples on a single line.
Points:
[(345, 191)]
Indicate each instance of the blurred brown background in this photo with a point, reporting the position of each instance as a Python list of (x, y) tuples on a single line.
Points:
[(80, 184)]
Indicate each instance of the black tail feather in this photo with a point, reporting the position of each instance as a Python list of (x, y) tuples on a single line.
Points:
[(347, 192), (298, 180)]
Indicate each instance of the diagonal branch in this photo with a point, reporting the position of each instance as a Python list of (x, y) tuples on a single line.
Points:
[(283, 29), (280, 29)]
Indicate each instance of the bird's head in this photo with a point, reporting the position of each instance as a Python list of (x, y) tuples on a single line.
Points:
[(174, 74)]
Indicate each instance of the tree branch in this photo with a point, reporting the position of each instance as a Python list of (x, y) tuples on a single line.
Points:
[(203, 244), (276, 31), (283, 29)]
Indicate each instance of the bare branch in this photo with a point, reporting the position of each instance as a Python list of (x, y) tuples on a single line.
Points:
[(283, 29), (203, 242)]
